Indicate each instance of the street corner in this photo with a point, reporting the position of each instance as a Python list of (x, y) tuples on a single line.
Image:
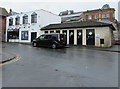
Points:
[(8, 57)]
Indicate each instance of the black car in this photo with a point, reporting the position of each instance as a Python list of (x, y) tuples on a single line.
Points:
[(54, 40)]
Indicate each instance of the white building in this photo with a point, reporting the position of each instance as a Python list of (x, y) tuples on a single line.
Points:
[(24, 27)]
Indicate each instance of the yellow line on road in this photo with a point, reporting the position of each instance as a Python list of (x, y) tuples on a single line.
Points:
[(18, 57)]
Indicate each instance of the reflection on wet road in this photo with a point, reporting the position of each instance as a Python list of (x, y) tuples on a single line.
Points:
[(69, 67)]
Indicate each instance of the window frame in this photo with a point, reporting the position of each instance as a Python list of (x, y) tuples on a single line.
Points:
[(17, 20), (25, 19), (10, 21), (34, 17)]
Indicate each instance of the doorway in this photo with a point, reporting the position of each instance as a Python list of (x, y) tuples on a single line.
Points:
[(33, 35), (65, 33), (79, 37), (90, 37), (71, 36)]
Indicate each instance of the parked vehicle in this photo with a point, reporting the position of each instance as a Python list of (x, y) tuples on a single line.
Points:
[(54, 40)]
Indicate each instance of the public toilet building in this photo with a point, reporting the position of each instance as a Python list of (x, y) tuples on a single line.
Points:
[(84, 33)]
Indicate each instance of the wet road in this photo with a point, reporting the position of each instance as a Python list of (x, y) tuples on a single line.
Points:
[(69, 67)]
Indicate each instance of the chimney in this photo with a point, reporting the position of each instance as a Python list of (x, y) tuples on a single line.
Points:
[(10, 12)]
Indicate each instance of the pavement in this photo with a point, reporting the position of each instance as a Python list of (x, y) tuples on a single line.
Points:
[(114, 48), (8, 56)]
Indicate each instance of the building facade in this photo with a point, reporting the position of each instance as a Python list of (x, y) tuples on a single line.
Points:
[(105, 13), (3, 15), (25, 27), (84, 33), (70, 15), (100, 14)]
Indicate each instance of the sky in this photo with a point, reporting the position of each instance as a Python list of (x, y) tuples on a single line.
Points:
[(56, 6)]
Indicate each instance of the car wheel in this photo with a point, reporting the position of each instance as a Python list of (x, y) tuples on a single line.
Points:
[(54, 46), (34, 44)]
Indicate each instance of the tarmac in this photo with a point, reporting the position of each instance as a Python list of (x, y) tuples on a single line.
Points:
[(6, 56)]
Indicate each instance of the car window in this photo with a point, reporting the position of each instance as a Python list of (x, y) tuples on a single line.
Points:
[(42, 37), (48, 37)]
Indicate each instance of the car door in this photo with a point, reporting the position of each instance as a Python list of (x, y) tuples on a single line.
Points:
[(41, 40), (48, 40)]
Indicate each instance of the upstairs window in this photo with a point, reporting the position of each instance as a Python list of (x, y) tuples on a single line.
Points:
[(17, 20), (96, 16), (25, 19), (105, 15), (90, 17), (34, 18), (11, 21)]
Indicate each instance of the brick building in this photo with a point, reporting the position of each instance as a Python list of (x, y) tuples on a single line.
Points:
[(105, 13), (3, 15)]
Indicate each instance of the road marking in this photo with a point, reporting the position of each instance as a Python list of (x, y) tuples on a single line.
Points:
[(18, 57)]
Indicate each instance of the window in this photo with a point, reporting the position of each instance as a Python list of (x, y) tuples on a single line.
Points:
[(11, 21), (42, 37), (105, 15), (89, 17), (46, 31), (25, 19), (24, 35), (34, 18), (14, 34), (96, 17), (51, 31), (48, 37), (17, 20)]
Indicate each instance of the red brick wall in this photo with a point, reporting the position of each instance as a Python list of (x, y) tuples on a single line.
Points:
[(3, 27), (100, 12)]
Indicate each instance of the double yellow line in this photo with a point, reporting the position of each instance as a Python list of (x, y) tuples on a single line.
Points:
[(17, 57)]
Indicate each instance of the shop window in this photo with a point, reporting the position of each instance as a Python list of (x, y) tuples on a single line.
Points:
[(14, 34), (17, 20), (11, 21), (34, 18), (24, 35), (25, 19)]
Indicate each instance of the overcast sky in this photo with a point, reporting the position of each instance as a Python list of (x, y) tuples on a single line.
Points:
[(56, 6)]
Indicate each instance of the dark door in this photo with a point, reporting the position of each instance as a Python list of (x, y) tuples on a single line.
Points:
[(65, 32), (71, 36), (79, 37), (90, 37), (33, 35)]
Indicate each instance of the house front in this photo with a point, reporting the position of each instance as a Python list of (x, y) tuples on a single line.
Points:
[(84, 33), (25, 27)]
